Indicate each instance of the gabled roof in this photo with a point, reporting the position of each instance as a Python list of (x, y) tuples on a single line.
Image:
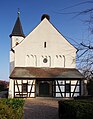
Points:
[(31, 72), (17, 30)]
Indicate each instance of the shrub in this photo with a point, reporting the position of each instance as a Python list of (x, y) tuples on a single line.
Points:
[(11, 109), (6, 112), (3, 85), (75, 109)]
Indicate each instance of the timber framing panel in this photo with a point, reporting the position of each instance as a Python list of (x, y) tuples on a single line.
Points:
[(18, 89), (62, 88)]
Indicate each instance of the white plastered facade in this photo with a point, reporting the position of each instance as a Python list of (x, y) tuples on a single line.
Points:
[(44, 42), (58, 51)]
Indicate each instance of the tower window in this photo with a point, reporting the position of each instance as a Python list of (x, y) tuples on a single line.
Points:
[(44, 44)]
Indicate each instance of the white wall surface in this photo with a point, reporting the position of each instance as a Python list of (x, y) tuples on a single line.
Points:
[(32, 51), (11, 89)]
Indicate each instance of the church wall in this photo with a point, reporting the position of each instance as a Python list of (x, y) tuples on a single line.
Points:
[(38, 61), (12, 64), (45, 42), (11, 89)]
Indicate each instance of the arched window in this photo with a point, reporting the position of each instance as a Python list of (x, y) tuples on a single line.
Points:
[(59, 61), (31, 60), (27, 60)]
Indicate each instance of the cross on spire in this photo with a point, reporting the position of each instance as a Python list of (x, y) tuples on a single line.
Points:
[(18, 12)]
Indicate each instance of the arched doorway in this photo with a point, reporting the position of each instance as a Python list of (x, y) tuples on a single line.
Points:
[(44, 89)]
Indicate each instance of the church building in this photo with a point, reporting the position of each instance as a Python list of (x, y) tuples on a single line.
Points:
[(43, 63)]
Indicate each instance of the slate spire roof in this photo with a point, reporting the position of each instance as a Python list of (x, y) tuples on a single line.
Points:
[(17, 30)]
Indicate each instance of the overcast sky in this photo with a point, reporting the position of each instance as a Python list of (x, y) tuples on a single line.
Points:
[(61, 15)]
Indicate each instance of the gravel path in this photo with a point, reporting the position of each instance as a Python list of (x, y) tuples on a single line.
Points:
[(41, 108)]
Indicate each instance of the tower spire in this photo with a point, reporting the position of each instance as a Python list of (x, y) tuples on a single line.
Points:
[(17, 30)]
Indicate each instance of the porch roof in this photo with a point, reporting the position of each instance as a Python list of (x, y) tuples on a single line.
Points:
[(32, 72)]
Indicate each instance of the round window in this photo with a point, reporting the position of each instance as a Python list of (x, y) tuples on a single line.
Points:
[(45, 60)]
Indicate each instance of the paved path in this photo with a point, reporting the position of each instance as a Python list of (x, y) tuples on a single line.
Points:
[(41, 108)]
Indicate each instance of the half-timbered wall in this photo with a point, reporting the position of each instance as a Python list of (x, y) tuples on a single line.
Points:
[(67, 88), (24, 88)]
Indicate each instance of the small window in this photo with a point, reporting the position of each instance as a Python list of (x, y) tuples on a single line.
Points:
[(67, 88), (44, 44), (24, 87)]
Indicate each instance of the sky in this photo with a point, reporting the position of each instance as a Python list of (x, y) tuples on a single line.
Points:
[(61, 16)]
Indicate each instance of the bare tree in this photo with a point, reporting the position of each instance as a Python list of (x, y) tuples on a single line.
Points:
[(85, 49)]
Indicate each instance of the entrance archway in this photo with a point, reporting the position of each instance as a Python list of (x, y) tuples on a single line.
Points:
[(44, 89)]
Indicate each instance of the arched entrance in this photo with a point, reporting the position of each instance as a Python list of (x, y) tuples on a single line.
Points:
[(44, 89)]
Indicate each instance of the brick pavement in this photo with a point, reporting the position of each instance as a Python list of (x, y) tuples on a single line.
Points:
[(41, 108)]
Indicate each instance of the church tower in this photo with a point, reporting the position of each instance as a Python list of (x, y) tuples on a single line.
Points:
[(17, 34)]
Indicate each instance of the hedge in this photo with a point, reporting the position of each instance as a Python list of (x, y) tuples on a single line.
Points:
[(11, 108), (75, 109)]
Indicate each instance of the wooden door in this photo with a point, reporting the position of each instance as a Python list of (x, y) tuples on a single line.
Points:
[(44, 89)]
